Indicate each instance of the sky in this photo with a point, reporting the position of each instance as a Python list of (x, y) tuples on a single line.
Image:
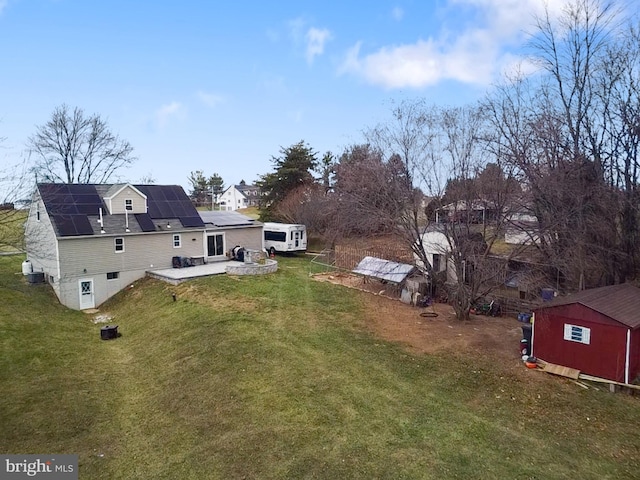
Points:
[(222, 87)]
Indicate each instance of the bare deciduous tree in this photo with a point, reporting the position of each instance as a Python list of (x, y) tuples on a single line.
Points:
[(75, 148), (309, 205), (13, 190), (562, 132)]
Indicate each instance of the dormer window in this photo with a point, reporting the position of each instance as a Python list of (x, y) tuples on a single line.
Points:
[(128, 204)]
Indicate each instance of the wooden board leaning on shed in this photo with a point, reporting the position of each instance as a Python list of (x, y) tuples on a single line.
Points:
[(576, 375), (560, 370)]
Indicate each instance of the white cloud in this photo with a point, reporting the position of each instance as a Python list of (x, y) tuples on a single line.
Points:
[(210, 99), (166, 112), (397, 13), (312, 39), (476, 55), (316, 39)]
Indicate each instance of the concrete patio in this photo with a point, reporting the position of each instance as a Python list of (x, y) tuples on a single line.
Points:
[(175, 276)]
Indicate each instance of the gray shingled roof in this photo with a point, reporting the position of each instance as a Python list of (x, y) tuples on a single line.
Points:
[(618, 302), (74, 209)]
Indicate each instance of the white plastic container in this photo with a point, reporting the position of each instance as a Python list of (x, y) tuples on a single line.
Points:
[(27, 268)]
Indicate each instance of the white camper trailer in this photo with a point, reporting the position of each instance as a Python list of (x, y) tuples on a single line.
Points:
[(284, 237)]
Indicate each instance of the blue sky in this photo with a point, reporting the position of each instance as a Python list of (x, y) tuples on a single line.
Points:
[(222, 86)]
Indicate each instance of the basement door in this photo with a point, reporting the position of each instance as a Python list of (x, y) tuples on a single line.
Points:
[(87, 299)]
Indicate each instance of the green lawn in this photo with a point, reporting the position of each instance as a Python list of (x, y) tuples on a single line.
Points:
[(275, 377), (12, 230)]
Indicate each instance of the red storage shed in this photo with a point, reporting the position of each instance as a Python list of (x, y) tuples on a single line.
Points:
[(596, 331)]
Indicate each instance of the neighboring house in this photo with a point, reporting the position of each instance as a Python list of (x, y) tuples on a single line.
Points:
[(596, 331), (478, 211), (239, 196), (91, 241)]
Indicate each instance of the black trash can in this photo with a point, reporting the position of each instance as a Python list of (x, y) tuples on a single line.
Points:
[(109, 332), (176, 262), (525, 343)]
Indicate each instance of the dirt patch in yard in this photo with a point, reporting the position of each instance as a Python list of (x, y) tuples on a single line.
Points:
[(395, 321)]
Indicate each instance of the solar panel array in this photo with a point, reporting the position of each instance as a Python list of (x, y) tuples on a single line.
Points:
[(68, 206), (226, 218), (145, 222), (170, 201)]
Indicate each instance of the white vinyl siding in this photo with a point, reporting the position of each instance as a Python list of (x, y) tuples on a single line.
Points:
[(96, 254), (247, 237), (40, 241), (117, 204), (143, 252)]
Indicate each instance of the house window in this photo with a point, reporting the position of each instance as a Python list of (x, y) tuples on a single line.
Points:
[(177, 241), (119, 243), (113, 275), (128, 204), (38, 214), (574, 333)]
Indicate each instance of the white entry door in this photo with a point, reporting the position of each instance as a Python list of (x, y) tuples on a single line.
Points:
[(87, 299)]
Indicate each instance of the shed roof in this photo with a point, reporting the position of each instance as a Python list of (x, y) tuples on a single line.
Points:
[(384, 269), (618, 302)]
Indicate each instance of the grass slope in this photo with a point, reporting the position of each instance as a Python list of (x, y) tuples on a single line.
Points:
[(276, 377)]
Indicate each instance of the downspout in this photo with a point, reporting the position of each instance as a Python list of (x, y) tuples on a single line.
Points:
[(533, 330), (626, 361)]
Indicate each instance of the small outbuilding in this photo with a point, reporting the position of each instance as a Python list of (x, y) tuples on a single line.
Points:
[(596, 331)]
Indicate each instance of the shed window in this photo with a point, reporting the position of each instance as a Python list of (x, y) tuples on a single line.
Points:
[(575, 333), (119, 244), (436, 262)]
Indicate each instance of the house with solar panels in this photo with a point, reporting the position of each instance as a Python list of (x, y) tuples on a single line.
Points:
[(91, 241)]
